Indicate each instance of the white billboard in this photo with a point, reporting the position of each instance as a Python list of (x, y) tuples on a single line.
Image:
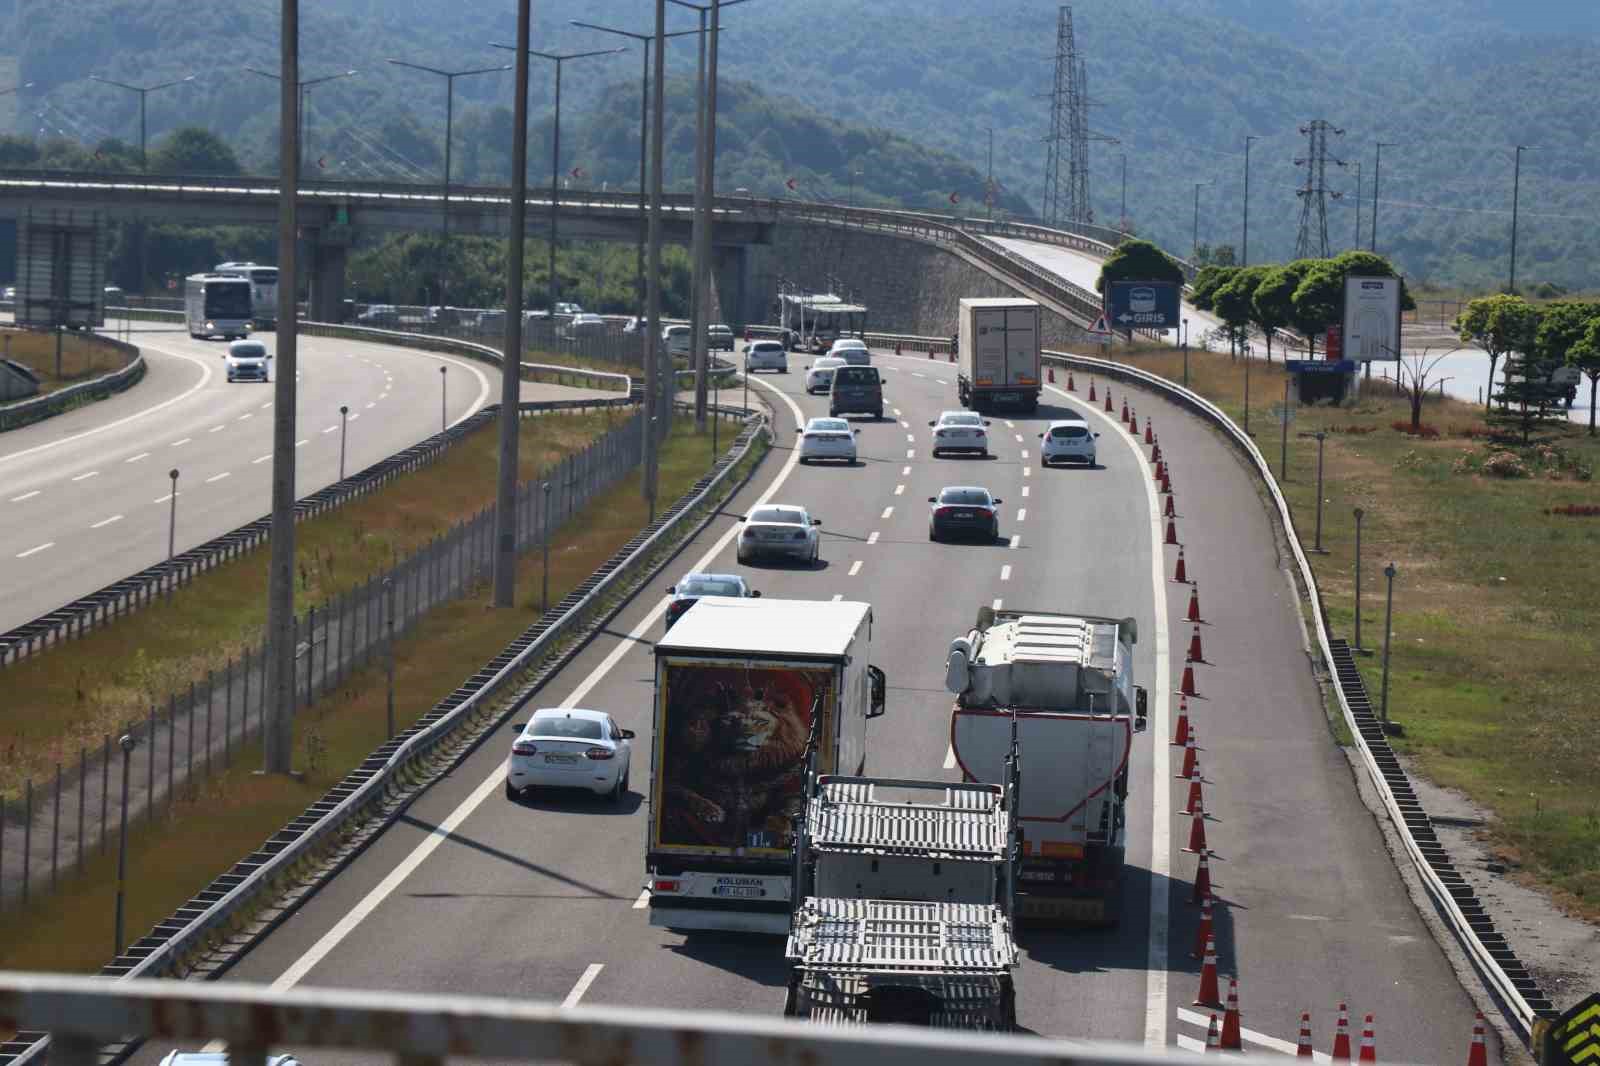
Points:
[(1371, 319)]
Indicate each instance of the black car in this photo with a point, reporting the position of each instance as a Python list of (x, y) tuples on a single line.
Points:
[(963, 510), (695, 585)]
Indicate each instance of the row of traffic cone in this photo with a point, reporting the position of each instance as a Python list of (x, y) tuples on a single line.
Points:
[(1227, 1036)]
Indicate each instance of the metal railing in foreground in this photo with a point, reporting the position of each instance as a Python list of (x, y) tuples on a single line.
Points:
[(84, 1013)]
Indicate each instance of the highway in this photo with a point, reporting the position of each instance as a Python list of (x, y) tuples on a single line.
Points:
[(85, 496), (541, 899)]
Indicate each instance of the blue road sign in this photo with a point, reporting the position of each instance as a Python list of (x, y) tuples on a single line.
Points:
[(1143, 305)]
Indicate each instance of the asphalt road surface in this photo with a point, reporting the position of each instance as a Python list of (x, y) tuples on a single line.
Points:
[(85, 496), (542, 899)]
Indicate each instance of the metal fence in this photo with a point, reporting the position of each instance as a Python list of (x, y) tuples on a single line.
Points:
[(54, 826)]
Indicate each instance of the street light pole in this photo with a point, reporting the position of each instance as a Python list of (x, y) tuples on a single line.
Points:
[(1388, 629), (1244, 250), (655, 411), (126, 743), (1124, 215), (143, 91), (544, 590), (1359, 513), (1197, 187), (1516, 196), (344, 425), (172, 525), (1377, 172), (300, 115), (443, 406), (1319, 437)]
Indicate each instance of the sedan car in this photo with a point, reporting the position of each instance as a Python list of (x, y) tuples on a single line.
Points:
[(819, 375), (1068, 440), (719, 338), (852, 350), (766, 355), (247, 361), (781, 530), (827, 438), (584, 325), (963, 510), (960, 431), (695, 585), (564, 747)]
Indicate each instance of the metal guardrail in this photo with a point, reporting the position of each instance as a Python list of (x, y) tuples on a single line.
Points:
[(1513, 992), (26, 412), (209, 915)]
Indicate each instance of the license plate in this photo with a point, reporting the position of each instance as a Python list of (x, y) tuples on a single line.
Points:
[(739, 891), (564, 759), (964, 514)]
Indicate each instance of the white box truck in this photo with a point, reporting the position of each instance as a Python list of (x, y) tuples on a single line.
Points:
[(738, 686), (997, 360)]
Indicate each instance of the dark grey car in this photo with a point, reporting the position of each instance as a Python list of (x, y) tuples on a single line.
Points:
[(856, 390)]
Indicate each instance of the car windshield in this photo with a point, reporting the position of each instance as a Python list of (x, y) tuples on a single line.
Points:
[(560, 725), (962, 420), (710, 586), (1069, 432), (774, 514), (970, 497), (247, 351)]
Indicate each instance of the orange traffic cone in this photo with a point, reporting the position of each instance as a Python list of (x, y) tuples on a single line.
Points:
[(1149, 434), (1155, 452), (1204, 932), (1197, 825), (1479, 1054), (1230, 1019), (1341, 1036), (1213, 1039), (1187, 687), (1172, 531), (930, 353), (1208, 995), (1195, 804), (1303, 1047), (1123, 418), (1109, 408), (1166, 483), (1369, 1047), (1194, 603), (1194, 647), (1180, 575), (1180, 735), (1188, 757), (1091, 390), (1052, 372), (1161, 469), (1070, 386), (1172, 508), (1202, 881)]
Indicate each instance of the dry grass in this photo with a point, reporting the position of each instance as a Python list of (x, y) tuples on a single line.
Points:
[(1496, 625), (72, 930), (81, 359), (64, 699)]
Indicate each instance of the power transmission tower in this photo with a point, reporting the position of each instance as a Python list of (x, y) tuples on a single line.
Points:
[(1315, 193), (1066, 173)]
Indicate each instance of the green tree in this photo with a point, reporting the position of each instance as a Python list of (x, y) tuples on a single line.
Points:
[(1207, 281), (1561, 326), (1317, 300), (1527, 396), (1272, 303), (1231, 301), (1370, 265), (1138, 260), (1499, 324), (1585, 355), (192, 150)]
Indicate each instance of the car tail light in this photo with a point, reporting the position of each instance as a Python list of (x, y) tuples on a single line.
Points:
[(599, 753), (799, 534), (663, 886), (524, 747), (945, 512)]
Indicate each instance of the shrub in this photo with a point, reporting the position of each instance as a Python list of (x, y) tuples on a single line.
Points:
[(1575, 510), (1505, 464), (1423, 430)]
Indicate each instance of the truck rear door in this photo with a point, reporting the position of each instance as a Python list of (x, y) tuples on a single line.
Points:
[(989, 347), (1022, 346)]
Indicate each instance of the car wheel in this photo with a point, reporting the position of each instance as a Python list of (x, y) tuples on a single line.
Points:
[(512, 792), (994, 531), (619, 790), (880, 414), (742, 557), (816, 556), (933, 534), (935, 453)]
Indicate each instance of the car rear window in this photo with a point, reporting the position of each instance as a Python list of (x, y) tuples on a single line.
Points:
[(773, 514), (963, 420), (964, 496), (766, 346), (561, 726), (1069, 432), (856, 375), (710, 587)]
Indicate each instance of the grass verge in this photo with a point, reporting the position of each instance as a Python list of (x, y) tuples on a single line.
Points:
[(63, 699), (1496, 625), (81, 359), (72, 929)]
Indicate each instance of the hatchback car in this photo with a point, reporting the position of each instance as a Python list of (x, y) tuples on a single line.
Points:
[(564, 747), (247, 361), (963, 510), (827, 438), (779, 530), (719, 338), (856, 390), (852, 350), (766, 355), (1068, 440), (960, 431), (676, 339), (819, 375), (695, 585)]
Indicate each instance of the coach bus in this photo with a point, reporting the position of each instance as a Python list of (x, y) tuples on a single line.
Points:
[(263, 290), (217, 305)]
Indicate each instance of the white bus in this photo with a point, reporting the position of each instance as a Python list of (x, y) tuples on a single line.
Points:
[(217, 305), (263, 290)]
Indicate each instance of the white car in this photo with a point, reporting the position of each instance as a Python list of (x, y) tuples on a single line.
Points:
[(676, 339), (827, 438), (960, 431), (766, 355), (782, 530), (819, 375), (1068, 440), (852, 350), (564, 747), (248, 361)]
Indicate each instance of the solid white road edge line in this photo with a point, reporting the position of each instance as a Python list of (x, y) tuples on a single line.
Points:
[(643, 901), (1156, 959), (589, 974), (491, 784)]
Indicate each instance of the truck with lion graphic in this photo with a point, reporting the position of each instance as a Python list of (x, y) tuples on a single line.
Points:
[(738, 686)]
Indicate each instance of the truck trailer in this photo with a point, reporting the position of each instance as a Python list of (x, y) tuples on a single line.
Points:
[(1066, 681), (740, 684), (997, 361)]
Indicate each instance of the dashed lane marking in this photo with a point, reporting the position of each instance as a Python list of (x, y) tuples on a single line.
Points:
[(996, 604), (905, 471), (263, 459), (643, 901), (216, 429), (37, 550), (218, 477), (106, 521), (1016, 539), (855, 568), (299, 443), (1024, 492), (872, 538), (949, 757), (583, 984), (887, 511), (1005, 572), (26, 496), (181, 443), (136, 458), (1022, 514), (899, 490)]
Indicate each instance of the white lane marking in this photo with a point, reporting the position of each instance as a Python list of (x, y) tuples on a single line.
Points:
[(1024, 492), (205, 379), (899, 490), (1157, 955), (1016, 539), (107, 521), (949, 757), (37, 550), (493, 782), (872, 538), (837, 596), (218, 477), (911, 437), (1022, 515), (887, 511), (85, 477), (216, 429), (266, 405), (897, 412), (26, 496), (996, 604), (1194, 1017), (168, 496), (181, 443), (355, 416), (911, 453), (1011, 425), (855, 568), (1189, 1043), (263, 459), (643, 901), (136, 458), (917, 375), (904, 425), (1019, 438), (905, 471), (371, 404), (1027, 471), (583, 984), (1024, 453), (246, 415), (1005, 572), (331, 429), (299, 443)]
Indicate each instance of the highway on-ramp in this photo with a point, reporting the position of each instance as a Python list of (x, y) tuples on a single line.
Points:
[(542, 899), (85, 496)]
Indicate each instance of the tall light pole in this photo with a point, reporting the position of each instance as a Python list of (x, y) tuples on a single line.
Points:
[(1357, 244), (449, 77), (655, 413), (1516, 196), (1124, 215), (644, 135), (299, 120), (126, 743), (1197, 187), (143, 91), (1388, 631), (1359, 514), (1244, 250), (988, 184), (1377, 172), (344, 426)]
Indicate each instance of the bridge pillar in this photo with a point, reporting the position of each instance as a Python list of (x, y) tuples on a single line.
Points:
[(733, 272), (326, 281)]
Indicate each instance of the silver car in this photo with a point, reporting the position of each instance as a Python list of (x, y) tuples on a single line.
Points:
[(827, 438), (780, 530), (248, 361), (852, 350), (819, 375), (766, 355)]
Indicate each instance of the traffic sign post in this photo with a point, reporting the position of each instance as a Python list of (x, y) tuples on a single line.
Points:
[(1573, 1038), (1135, 305)]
